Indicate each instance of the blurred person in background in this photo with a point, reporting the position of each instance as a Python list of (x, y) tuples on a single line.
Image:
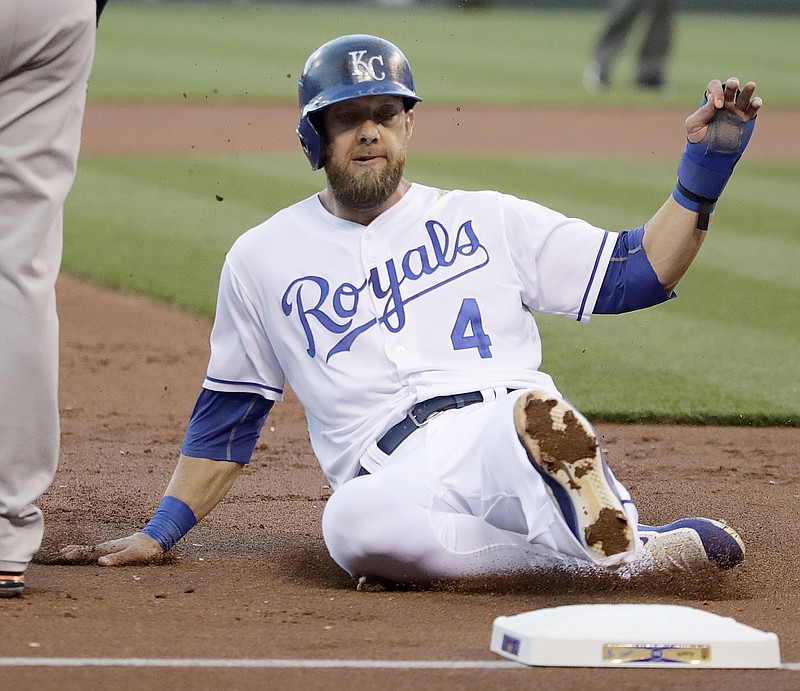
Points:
[(654, 51)]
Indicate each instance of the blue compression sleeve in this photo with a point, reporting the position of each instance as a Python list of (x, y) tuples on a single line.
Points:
[(171, 522), (630, 282), (225, 425)]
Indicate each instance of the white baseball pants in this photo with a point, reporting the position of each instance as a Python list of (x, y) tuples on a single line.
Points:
[(457, 499)]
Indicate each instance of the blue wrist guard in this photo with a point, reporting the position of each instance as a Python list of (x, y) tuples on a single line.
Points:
[(170, 523), (706, 167)]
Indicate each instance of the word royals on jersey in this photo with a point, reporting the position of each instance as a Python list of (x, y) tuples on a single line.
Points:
[(447, 255)]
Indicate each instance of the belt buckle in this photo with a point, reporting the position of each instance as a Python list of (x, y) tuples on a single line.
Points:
[(417, 423)]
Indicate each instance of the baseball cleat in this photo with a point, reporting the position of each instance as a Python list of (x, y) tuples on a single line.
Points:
[(11, 584), (692, 542), (594, 79), (563, 447)]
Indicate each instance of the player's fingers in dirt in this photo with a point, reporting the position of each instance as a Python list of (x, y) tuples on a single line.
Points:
[(133, 549), (79, 554)]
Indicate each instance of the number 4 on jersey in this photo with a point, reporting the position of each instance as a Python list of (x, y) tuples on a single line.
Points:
[(468, 330)]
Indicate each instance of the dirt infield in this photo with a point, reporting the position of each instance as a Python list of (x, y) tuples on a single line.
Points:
[(138, 128), (254, 581)]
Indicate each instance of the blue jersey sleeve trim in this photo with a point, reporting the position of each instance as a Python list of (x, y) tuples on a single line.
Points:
[(225, 426), (245, 383), (592, 277), (630, 282)]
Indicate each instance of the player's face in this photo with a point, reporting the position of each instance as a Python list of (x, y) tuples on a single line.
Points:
[(366, 149)]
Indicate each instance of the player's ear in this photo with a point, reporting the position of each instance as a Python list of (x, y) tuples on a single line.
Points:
[(409, 123)]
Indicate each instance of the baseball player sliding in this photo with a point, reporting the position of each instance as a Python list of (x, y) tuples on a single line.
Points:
[(402, 317)]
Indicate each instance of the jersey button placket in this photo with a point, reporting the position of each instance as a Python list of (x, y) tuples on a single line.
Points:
[(372, 249), (368, 253)]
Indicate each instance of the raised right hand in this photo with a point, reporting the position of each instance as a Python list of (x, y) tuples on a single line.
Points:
[(133, 549), (721, 96)]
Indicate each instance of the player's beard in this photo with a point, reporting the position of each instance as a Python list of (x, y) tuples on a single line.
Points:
[(369, 189)]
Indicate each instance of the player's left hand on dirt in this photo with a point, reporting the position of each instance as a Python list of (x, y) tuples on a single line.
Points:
[(133, 549)]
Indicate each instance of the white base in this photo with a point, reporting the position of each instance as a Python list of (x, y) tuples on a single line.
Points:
[(633, 636)]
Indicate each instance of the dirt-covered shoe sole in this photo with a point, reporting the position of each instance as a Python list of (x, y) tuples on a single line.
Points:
[(563, 447)]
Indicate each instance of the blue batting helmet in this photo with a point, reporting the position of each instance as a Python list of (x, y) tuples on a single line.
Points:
[(345, 68)]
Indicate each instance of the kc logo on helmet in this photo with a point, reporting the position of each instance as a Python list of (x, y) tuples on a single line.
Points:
[(361, 66)]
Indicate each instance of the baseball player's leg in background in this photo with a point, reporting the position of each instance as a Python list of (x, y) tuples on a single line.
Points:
[(657, 44), (46, 53), (611, 41), (655, 48), (459, 499)]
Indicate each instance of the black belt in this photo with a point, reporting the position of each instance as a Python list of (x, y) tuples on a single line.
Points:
[(421, 413)]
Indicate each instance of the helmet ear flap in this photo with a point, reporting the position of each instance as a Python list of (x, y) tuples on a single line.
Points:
[(311, 141)]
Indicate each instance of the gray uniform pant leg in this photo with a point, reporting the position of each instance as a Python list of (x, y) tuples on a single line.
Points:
[(622, 15), (656, 44), (46, 53)]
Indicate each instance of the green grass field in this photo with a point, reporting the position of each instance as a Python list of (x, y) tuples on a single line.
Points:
[(724, 352), (252, 53)]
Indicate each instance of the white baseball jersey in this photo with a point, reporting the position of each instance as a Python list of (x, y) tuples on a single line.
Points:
[(433, 297)]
